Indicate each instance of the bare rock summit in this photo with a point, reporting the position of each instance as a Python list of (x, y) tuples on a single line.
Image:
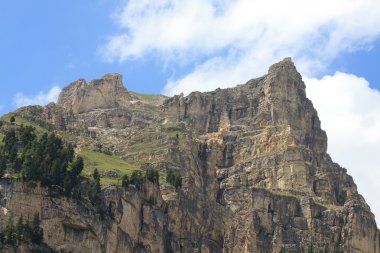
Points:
[(104, 93)]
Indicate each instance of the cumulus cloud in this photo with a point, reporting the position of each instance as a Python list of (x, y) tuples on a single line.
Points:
[(39, 99), (234, 40), (349, 111)]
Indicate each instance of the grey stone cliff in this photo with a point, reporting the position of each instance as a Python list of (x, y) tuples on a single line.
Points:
[(256, 175)]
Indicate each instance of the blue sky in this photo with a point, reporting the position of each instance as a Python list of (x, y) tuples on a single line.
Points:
[(48, 43), (173, 46)]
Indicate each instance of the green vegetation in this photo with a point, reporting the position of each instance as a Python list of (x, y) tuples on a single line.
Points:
[(68, 136), (148, 141), (153, 176), (174, 130), (309, 248), (152, 201), (28, 231), (146, 145), (47, 160), (103, 163), (44, 159), (94, 194), (3, 165), (146, 97), (174, 179), (125, 181), (137, 179), (21, 121), (328, 206), (149, 98), (140, 245), (286, 193)]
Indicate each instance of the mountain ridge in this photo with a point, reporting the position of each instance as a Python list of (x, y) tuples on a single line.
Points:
[(256, 176)]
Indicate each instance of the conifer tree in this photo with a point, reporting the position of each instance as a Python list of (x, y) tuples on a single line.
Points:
[(20, 228), (125, 181), (37, 232)]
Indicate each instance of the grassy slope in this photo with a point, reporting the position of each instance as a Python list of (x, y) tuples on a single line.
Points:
[(149, 97), (93, 159), (148, 140), (19, 121), (105, 163)]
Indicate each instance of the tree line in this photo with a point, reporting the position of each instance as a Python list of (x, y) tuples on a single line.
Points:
[(45, 159), (138, 178), (23, 231)]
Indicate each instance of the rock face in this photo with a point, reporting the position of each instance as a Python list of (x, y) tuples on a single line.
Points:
[(256, 175), (107, 92)]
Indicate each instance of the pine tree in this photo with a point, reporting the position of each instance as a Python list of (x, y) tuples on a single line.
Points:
[(95, 195), (153, 176), (137, 179), (37, 232), (27, 134), (125, 181), (20, 229), (9, 233), (3, 165), (67, 185), (17, 164), (309, 248), (77, 167), (96, 177), (10, 142), (174, 179)]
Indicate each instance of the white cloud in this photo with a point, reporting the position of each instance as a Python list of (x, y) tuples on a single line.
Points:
[(234, 40), (349, 111), (39, 99)]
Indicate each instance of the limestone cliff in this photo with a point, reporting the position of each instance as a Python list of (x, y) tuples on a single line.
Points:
[(107, 92), (256, 175)]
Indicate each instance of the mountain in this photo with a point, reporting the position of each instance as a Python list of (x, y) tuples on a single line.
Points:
[(250, 163)]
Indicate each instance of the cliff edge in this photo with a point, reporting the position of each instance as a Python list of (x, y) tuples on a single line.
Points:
[(255, 173)]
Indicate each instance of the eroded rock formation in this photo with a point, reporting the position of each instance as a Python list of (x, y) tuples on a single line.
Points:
[(256, 175)]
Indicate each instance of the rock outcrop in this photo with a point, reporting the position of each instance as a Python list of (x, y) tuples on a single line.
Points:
[(107, 92), (256, 175)]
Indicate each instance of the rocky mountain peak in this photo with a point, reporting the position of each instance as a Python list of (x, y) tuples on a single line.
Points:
[(106, 92), (286, 64), (110, 79), (255, 173), (284, 76)]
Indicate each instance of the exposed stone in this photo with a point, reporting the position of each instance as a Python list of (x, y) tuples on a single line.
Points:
[(255, 173), (107, 92)]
